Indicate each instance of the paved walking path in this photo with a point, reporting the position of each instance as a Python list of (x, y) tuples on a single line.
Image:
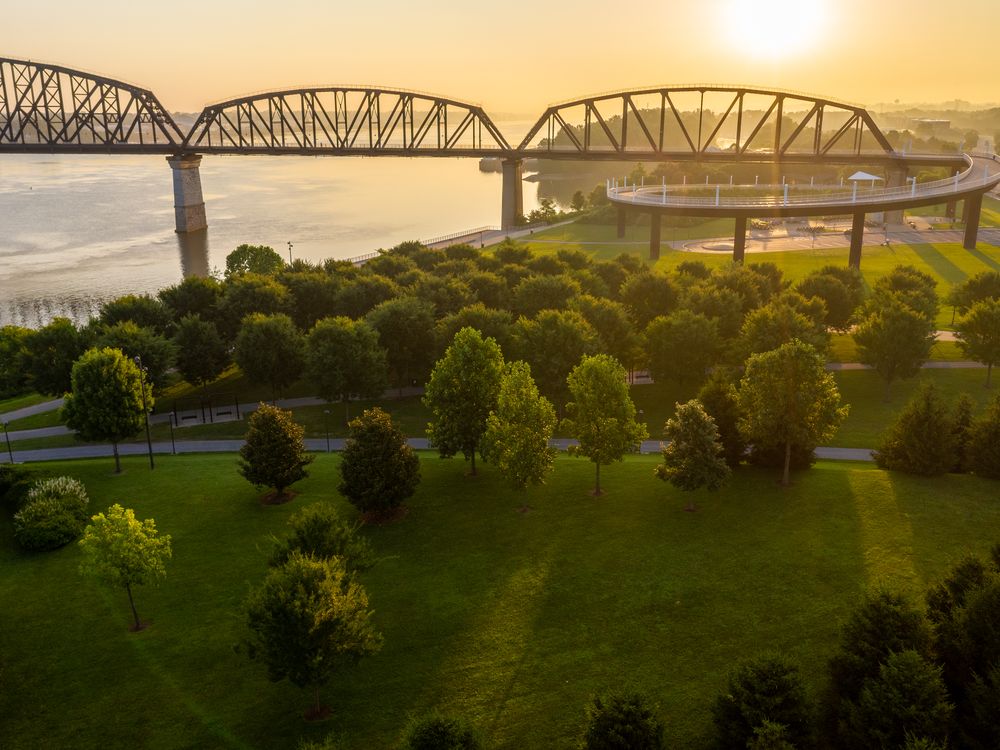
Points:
[(30, 411)]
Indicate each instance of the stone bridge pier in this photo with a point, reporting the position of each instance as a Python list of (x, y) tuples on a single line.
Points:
[(189, 204), (512, 196)]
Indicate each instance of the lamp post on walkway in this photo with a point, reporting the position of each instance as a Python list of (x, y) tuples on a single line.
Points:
[(145, 410), (10, 451), (289, 253)]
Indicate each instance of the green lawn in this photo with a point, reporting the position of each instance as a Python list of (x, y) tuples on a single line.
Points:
[(989, 216), (511, 619), (19, 402)]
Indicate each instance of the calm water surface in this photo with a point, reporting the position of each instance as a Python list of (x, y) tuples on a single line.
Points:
[(76, 230)]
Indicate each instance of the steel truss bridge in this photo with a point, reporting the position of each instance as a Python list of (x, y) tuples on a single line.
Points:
[(48, 108)]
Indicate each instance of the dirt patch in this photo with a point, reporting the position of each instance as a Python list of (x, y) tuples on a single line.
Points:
[(143, 624), (274, 498), (317, 714), (385, 517)]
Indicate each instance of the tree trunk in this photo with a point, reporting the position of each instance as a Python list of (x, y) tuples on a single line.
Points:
[(318, 707), (785, 478), (347, 409), (131, 603), (597, 483), (118, 463), (886, 398), (472, 472), (989, 371)]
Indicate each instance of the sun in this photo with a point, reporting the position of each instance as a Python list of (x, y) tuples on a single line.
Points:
[(774, 29)]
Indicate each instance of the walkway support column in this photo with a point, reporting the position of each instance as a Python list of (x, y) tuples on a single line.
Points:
[(621, 222), (895, 178), (857, 238), (974, 205), (512, 199), (740, 240), (654, 236), (189, 205)]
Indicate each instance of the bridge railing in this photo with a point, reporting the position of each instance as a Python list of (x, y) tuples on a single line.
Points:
[(668, 195)]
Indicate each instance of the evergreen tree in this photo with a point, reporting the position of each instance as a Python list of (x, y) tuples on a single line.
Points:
[(693, 456), (274, 454), (378, 469), (983, 449), (462, 392), (922, 439), (961, 425), (519, 429), (622, 721)]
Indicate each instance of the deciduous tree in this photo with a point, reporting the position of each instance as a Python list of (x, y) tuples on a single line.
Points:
[(979, 334), (106, 399), (271, 351), (519, 429), (552, 344), (692, 456), (405, 327), (895, 340), (344, 359), (274, 454), (921, 441), (50, 353), (788, 398), (157, 353), (983, 450), (259, 259), (202, 355), (378, 470), (462, 391), (601, 414), (681, 347), (121, 551), (720, 401)]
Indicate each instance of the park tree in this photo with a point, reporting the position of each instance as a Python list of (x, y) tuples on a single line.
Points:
[(202, 355), (720, 400), (13, 359), (788, 399), (895, 340), (491, 323), (779, 322), (274, 454), (259, 259), (692, 456), (405, 328), (196, 295), (519, 429), (364, 293), (648, 295), (552, 344), (722, 305), (601, 413), (905, 284), (270, 350), (121, 551), (983, 448), (246, 295), (537, 293), (681, 347), (156, 352), (446, 294), (106, 399), (462, 391), (308, 620), (141, 309), (50, 353), (313, 296), (438, 732), (490, 288), (579, 201), (767, 688), (344, 359), (318, 531), (838, 298), (921, 441), (622, 721), (614, 329), (984, 286), (378, 470), (979, 334), (961, 429)]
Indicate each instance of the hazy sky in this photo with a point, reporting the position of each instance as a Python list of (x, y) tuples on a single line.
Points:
[(517, 56)]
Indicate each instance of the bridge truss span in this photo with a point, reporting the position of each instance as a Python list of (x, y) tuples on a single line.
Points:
[(346, 121), (684, 123), (45, 108)]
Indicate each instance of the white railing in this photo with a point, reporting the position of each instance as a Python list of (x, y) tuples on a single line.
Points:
[(668, 195)]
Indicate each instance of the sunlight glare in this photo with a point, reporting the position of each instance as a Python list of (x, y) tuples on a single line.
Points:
[(774, 29)]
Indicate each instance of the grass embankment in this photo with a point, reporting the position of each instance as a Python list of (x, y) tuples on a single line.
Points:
[(19, 402), (511, 619)]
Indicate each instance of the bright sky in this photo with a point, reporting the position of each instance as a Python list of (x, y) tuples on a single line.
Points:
[(517, 56)]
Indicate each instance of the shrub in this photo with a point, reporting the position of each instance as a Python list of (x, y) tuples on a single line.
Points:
[(54, 514), (437, 732), (622, 722), (15, 481), (765, 689), (983, 447), (318, 531), (922, 440)]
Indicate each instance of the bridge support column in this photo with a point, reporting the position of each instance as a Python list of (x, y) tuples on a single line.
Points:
[(857, 239), (621, 222), (512, 199), (189, 205), (895, 178), (654, 236), (973, 206), (740, 240)]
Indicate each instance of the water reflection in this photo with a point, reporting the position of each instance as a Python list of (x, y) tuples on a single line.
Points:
[(193, 247)]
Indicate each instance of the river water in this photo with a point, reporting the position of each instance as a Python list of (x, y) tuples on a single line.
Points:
[(76, 230)]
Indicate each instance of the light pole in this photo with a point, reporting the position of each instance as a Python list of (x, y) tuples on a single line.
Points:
[(6, 434), (326, 427), (289, 253), (145, 410), (173, 445)]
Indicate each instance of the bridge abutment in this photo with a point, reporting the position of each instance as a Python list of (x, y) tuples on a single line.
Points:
[(973, 207), (895, 178), (512, 198), (189, 204), (857, 239)]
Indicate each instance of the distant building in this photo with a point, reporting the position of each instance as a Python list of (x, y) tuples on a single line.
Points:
[(928, 126)]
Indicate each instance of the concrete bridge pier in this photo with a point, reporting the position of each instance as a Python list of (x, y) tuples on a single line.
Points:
[(740, 240), (895, 178), (189, 205), (857, 239), (621, 222), (512, 196), (973, 207), (654, 235)]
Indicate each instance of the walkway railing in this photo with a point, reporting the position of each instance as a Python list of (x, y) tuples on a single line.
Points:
[(667, 195)]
